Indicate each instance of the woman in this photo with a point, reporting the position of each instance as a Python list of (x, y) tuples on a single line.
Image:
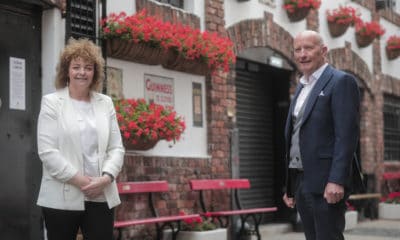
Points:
[(80, 145)]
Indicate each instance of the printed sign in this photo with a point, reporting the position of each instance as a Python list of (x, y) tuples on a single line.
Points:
[(17, 83), (159, 90), (197, 105)]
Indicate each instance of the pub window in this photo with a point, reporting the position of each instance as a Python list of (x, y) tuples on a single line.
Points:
[(175, 3), (391, 118), (81, 19)]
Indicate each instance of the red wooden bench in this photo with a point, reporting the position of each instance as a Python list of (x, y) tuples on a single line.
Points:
[(391, 176), (233, 185), (161, 222)]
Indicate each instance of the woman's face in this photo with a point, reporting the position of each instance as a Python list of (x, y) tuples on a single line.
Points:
[(80, 73)]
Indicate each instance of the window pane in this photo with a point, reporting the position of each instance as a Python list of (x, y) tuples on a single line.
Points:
[(391, 120)]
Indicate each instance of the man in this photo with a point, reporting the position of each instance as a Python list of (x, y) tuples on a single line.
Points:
[(321, 137)]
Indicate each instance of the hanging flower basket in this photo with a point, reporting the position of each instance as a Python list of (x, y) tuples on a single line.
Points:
[(392, 53), (178, 62), (136, 52), (337, 29), (140, 145), (298, 9), (364, 41), (393, 47), (366, 32), (298, 14)]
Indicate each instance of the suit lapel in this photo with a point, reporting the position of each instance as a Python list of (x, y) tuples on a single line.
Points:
[(291, 109), (319, 85)]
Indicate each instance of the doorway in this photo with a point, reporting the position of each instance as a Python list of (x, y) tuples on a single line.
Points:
[(20, 93), (262, 93)]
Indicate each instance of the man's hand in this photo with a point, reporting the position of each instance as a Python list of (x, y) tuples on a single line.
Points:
[(333, 192), (290, 202)]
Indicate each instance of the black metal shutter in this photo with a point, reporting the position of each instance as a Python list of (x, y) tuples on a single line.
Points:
[(256, 140), (81, 19)]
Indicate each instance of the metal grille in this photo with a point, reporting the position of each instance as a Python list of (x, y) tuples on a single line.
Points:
[(81, 19), (391, 118), (256, 142), (175, 3)]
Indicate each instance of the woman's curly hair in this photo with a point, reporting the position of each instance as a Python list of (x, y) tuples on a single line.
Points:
[(86, 50)]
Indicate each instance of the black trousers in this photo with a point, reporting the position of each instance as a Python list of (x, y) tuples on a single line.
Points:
[(96, 222), (321, 220)]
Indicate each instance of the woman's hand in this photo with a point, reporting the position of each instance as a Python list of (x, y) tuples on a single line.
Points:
[(79, 180), (96, 186)]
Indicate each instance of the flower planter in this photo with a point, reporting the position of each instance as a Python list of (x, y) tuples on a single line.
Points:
[(216, 234), (363, 41), (177, 62), (298, 14), (389, 211), (134, 52), (337, 29), (140, 146), (351, 220), (392, 53)]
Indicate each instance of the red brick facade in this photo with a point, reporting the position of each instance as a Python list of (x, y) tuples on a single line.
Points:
[(220, 96)]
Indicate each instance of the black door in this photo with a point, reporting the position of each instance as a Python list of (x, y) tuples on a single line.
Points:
[(20, 92), (262, 102)]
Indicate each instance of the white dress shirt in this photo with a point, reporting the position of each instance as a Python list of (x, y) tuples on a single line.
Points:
[(308, 85)]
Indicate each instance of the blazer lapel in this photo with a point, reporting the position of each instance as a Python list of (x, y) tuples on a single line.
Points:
[(70, 120), (319, 85)]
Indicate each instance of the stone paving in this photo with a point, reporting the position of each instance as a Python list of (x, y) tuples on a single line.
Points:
[(365, 230)]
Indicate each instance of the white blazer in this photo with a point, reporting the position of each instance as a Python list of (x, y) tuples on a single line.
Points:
[(59, 147)]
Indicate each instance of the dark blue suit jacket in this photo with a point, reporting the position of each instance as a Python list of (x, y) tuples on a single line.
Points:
[(329, 130)]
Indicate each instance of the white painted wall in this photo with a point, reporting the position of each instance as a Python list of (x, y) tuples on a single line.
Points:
[(53, 35), (236, 12), (194, 139), (389, 67), (129, 7)]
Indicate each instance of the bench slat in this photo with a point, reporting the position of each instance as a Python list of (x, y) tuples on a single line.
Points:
[(391, 175), (243, 211), (209, 184), (364, 196), (142, 187), (120, 224)]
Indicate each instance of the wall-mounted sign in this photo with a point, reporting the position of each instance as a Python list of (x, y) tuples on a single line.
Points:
[(159, 90), (197, 105), (114, 83), (17, 83)]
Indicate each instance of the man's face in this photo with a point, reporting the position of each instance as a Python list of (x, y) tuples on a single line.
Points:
[(309, 53)]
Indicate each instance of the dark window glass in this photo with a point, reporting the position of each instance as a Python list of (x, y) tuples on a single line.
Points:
[(391, 118), (175, 3), (81, 19)]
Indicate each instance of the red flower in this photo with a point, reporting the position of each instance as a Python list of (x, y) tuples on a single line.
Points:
[(343, 15), (197, 223), (393, 42), (369, 29), (292, 5), (141, 121), (190, 43)]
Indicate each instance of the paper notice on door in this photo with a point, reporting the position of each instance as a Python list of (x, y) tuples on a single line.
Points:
[(17, 83)]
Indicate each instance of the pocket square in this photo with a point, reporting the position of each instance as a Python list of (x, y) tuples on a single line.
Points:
[(321, 93)]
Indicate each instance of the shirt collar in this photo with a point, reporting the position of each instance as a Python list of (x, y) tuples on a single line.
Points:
[(314, 76)]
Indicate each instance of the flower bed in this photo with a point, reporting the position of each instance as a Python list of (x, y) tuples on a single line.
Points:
[(142, 125), (389, 207), (209, 49)]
